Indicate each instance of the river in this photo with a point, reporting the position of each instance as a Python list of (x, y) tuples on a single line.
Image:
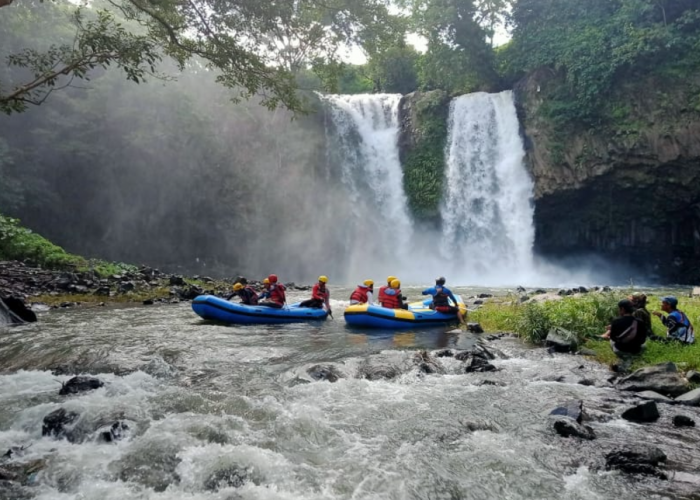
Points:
[(230, 412)]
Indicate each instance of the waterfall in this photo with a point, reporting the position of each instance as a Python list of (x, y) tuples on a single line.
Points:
[(362, 136), (487, 209)]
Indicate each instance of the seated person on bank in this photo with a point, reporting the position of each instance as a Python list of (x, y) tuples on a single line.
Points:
[(677, 323), (626, 334)]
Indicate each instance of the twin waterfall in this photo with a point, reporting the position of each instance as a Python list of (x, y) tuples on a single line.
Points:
[(487, 216)]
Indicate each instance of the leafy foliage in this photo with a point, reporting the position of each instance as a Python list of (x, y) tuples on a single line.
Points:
[(254, 47)]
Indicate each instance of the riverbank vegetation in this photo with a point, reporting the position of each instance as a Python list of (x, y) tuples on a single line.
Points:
[(587, 316)]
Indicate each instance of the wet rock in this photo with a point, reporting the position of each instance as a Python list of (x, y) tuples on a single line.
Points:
[(126, 286), (571, 409), (370, 372), (446, 353), (148, 302), (606, 289), (22, 473), (644, 412), (496, 383), (190, 293), (55, 423), (561, 340), (116, 433), (151, 466), (539, 291), (478, 302), (485, 295), (568, 427), (80, 384), (474, 328), (103, 291), (565, 293), (691, 398), (177, 281), (587, 382), (636, 460), (693, 377), (479, 364), (327, 372), (15, 451), (683, 421), (482, 352), (662, 378), (297, 381), (15, 311), (427, 364), (524, 299), (463, 356), (230, 477), (654, 396)]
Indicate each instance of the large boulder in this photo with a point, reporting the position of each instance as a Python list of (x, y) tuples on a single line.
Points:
[(80, 384), (561, 340), (479, 364), (693, 377), (571, 409), (636, 460), (663, 378), (691, 398), (568, 427), (683, 421), (645, 412), (13, 311), (654, 396), (474, 328), (324, 372), (57, 422)]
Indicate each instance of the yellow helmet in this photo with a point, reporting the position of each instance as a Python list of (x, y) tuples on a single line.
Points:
[(368, 283), (323, 279), (266, 281), (395, 284), (390, 279), (238, 287)]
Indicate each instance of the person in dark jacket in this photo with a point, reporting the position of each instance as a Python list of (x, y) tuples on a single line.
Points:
[(639, 302), (248, 296), (441, 299), (626, 334), (677, 323)]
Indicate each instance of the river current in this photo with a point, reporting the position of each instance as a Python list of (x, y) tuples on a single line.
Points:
[(232, 412)]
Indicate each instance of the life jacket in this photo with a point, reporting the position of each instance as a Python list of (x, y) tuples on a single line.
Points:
[(360, 294), (392, 301), (249, 297), (277, 294), (319, 294), (440, 299), (381, 296)]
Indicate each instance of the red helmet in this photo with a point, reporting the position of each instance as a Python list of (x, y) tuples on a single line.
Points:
[(272, 278)]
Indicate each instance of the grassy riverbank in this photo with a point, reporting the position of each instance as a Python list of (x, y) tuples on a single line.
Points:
[(587, 316)]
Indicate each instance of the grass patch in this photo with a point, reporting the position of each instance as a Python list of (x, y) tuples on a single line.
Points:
[(89, 298), (587, 316)]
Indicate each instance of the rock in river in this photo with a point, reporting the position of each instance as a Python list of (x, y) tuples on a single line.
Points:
[(55, 423), (683, 421), (691, 398), (662, 378), (637, 460), (644, 412), (80, 384), (561, 340)]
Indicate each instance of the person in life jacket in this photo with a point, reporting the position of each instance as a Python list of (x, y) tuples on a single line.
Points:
[(275, 295), (248, 296), (393, 298), (441, 299), (320, 295), (363, 293), (677, 323), (382, 290)]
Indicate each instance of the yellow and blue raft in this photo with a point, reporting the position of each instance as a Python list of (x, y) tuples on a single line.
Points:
[(418, 314)]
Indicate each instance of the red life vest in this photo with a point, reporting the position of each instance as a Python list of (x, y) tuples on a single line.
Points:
[(319, 294), (381, 296), (277, 294), (392, 301), (360, 294)]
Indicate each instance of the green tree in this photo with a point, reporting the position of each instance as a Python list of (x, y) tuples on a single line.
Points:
[(255, 47), (394, 70)]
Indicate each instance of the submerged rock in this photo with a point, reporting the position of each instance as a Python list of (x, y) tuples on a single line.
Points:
[(683, 421), (55, 423), (568, 427), (496, 383), (427, 364), (691, 398), (479, 364), (637, 460), (654, 396), (80, 384), (645, 412), (445, 353), (116, 433), (231, 477), (662, 378), (381, 372), (561, 340), (324, 372), (571, 409)]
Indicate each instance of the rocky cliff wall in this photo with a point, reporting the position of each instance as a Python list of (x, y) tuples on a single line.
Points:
[(626, 189)]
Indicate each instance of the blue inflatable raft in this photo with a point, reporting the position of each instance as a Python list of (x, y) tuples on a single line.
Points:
[(217, 309), (418, 314)]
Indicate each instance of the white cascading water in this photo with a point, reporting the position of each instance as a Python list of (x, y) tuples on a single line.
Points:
[(363, 144), (487, 209)]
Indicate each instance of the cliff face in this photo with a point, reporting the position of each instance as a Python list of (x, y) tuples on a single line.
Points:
[(628, 189)]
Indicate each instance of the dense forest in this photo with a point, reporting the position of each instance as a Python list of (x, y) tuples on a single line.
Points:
[(187, 134)]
